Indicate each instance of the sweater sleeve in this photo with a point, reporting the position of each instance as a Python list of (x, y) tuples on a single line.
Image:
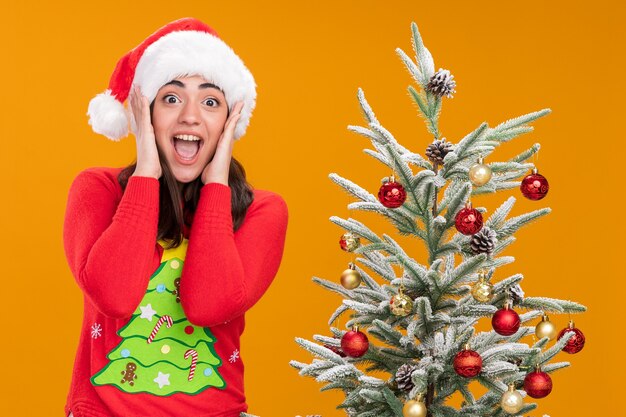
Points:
[(226, 273), (110, 247)]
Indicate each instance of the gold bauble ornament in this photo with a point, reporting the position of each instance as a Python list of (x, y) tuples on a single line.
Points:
[(482, 290), (415, 408), (350, 278), (349, 241), (479, 173), (401, 304), (512, 401), (545, 328)]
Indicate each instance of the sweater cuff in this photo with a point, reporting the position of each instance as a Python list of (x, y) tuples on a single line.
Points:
[(216, 197), (142, 190), (139, 206)]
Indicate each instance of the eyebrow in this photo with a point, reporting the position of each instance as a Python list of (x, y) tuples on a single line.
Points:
[(200, 87)]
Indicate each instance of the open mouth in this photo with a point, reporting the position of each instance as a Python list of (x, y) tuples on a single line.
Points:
[(187, 146)]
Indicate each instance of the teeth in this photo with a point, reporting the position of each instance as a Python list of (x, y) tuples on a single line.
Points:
[(188, 137)]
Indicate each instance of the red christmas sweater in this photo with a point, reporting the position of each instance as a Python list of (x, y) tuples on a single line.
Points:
[(161, 328)]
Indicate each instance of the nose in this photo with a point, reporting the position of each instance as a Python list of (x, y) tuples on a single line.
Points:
[(189, 114)]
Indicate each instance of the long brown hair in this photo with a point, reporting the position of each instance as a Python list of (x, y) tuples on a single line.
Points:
[(172, 215)]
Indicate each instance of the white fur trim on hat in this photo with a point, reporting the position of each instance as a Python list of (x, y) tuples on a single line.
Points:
[(187, 53)]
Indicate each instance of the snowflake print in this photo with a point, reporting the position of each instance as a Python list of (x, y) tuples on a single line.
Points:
[(96, 331), (234, 356)]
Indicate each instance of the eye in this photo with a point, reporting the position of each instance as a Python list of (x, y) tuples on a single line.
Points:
[(211, 102), (167, 97)]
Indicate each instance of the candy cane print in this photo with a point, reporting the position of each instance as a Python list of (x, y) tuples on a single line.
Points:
[(167, 319), (194, 360)]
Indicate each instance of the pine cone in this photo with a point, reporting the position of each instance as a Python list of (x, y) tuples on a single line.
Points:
[(516, 293), (442, 84), (484, 241), (438, 150), (518, 362), (403, 377)]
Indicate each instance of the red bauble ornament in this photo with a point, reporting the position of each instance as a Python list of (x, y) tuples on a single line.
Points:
[(354, 343), (391, 194), (467, 363), (576, 343), (537, 384), (506, 321), (534, 186), (468, 220)]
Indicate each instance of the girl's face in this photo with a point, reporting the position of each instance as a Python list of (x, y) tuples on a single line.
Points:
[(188, 118)]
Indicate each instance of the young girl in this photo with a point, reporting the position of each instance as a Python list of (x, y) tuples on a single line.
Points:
[(171, 251)]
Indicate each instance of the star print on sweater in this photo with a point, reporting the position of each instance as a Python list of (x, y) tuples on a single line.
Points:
[(162, 379), (147, 312)]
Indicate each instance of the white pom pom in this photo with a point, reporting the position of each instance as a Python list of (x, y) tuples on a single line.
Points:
[(107, 116)]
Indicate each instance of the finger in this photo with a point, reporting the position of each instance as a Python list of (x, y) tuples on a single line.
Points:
[(145, 111), (231, 124), (238, 107), (136, 100), (130, 99), (133, 101), (235, 113), (137, 110), (227, 133), (131, 104), (136, 107)]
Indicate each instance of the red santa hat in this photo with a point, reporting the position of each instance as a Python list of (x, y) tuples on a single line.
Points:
[(183, 47)]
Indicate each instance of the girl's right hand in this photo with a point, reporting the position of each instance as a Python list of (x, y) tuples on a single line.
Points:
[(148, 164)]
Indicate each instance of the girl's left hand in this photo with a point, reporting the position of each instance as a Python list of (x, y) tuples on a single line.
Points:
[(217, 169)]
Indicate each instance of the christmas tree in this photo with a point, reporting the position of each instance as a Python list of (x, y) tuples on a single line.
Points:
[(424, 320), (162, 353)]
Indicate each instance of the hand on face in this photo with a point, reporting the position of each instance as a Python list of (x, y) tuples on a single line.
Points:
[(218, 168), (148, 164)]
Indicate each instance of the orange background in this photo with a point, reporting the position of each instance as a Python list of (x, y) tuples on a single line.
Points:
[(309, 58)]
